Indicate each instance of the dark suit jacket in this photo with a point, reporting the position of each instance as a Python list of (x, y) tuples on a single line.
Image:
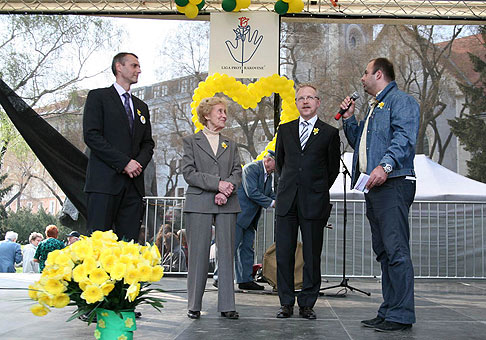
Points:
[(254, 194), (107, 134), (203, 170), (309, 172)]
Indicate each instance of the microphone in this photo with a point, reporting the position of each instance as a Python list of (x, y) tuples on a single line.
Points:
[(338, 115)]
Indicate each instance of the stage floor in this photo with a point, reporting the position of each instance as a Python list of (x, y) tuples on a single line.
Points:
[(445, 309)]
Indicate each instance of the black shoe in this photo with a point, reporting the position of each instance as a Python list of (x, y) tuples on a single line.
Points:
[(307, 313), (372, 322), (252, 285), (193, 314), (390, 326), (285, 311), (230, 315), (138, 315), (215, 283)]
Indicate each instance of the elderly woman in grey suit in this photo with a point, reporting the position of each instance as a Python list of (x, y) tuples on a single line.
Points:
[(211, 166)]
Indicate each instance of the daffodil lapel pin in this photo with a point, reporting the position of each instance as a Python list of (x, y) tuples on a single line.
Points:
[(224, 145), (315, 131), (381, 104), (142, 118)]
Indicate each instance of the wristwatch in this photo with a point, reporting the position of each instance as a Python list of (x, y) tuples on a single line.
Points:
[(387, 168)]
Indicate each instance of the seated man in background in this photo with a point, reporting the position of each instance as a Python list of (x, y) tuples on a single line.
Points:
[(254, 194)]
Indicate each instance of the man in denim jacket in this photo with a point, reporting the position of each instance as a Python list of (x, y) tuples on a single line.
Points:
[(384, 148)]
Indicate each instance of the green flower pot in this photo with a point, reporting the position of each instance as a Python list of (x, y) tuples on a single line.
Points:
[(110, 326)]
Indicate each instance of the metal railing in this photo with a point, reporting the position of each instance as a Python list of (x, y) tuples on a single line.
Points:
[(447, 239)]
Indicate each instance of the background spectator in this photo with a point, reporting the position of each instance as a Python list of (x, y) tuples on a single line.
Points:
[(175, 259), (10, 253), (51, 243), (72, 237), (182, 239), (28, 264)]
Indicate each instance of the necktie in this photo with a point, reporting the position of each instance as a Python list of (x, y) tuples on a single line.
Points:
[(304, 134), (126, 103)]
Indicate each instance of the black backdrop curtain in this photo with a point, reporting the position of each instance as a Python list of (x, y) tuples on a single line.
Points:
[(64, 162)]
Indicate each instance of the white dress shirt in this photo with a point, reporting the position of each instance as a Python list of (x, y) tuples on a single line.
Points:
[(121, 91)]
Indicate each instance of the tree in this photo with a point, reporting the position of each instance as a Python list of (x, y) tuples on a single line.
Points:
[(42, 58), (24, 222), (470, 127), (3, 191), (422, 73)]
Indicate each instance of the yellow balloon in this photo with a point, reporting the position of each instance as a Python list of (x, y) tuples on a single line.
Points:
[(296, 6), (181, 9), (243, 3), (237, 7), (191, 11), (195, 2), (248, 96)]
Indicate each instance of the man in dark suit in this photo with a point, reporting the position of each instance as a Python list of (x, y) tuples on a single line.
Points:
[(254, 194), (116, 128), (307, 152)]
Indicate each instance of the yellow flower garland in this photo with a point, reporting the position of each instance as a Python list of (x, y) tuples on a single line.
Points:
[(248, 97)]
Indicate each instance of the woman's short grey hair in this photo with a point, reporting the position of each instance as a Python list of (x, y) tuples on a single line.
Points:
[(11, 235), (206, 105), (35, 235)]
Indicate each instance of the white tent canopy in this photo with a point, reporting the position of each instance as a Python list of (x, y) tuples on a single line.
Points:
[(434, 183)]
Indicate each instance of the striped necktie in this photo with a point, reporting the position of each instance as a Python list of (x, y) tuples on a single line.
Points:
[(128, 109), (304, 134)]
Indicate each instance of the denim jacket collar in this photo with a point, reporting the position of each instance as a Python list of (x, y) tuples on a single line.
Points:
[(386, 90)]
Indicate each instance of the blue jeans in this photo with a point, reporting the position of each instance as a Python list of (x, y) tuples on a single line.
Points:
[(244, 253), (387, 208)]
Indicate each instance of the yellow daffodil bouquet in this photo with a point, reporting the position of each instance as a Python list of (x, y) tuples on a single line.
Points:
[(98, 272)]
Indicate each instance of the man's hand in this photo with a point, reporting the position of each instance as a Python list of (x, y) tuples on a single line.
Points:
[(344, 105), (220, 199), (377, 177), (226, 188), (133, 169)]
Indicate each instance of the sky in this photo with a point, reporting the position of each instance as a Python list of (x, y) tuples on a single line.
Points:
[(144, 38)]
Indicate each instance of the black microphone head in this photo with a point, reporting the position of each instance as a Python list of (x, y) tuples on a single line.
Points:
[(355, 95)]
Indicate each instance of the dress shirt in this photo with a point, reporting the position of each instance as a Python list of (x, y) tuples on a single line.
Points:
[(363, 160), (311, 122), (121, 91)]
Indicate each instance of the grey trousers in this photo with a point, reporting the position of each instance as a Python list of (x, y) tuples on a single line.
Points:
[(198, 232)]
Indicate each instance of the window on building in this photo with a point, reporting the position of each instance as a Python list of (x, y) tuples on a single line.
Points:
[(186, 107), (140, 94), (52, 207), (164, 90), (262, 138), (185, 85), (157, 91), (180, 192), (154, 114)]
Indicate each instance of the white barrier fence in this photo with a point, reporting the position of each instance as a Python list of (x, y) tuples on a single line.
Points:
[(447, 239)]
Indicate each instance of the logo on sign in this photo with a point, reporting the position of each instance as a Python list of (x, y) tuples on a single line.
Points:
[(245, 43)]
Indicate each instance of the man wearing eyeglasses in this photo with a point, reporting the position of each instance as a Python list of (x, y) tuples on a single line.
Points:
[(307, 161)]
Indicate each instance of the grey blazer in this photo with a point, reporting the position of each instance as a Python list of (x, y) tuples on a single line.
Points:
[(202, 170)]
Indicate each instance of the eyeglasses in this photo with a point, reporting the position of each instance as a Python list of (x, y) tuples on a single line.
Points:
[(301, 99)]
